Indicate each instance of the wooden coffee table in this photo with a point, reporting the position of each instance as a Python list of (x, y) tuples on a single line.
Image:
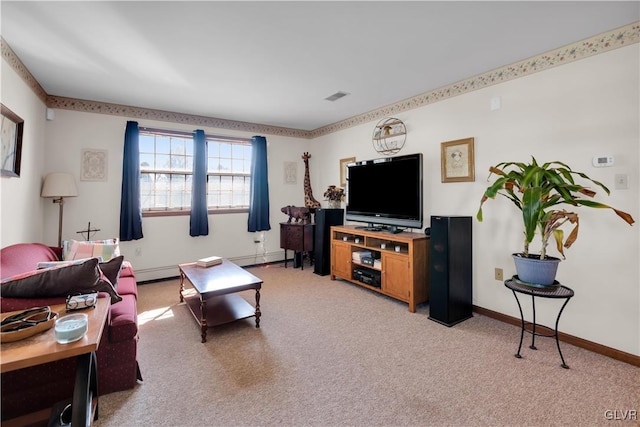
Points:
[(43, 348), (215, 301)]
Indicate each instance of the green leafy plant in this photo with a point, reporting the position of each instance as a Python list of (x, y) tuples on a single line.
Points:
[(538, 191), (334, 193)]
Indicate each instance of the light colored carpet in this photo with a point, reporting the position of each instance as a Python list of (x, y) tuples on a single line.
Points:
[(330, 353)]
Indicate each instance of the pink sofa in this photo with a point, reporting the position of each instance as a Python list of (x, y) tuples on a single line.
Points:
[(31, 389)]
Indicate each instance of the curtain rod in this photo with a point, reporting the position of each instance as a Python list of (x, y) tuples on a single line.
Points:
[(190, 134)]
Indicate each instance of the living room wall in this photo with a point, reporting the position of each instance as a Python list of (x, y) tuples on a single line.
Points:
[(22, 208), (166, 241), (571, 114)]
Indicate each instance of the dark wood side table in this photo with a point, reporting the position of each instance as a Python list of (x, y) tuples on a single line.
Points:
[(297, 237), (559, 291)]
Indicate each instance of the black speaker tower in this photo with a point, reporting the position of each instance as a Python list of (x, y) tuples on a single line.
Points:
[(450, 298), (325, 218)]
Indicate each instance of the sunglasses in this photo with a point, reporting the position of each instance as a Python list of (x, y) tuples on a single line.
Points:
[(26, 319), (80, 301)]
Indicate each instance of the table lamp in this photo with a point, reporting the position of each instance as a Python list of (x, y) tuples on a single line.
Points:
[(58, 186)]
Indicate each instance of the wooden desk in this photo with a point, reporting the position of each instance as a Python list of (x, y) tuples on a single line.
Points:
[(43, 348), (297, 237)]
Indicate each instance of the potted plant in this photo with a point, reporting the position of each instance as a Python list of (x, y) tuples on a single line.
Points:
[(335, 196), (538, 191)]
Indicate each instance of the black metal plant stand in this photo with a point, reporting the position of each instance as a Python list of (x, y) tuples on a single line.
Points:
[(558, 291)]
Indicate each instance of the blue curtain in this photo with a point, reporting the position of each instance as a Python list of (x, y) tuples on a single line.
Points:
[(130, 210), (259, 193), (199, 222)]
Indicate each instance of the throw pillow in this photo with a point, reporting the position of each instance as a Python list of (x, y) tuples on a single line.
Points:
[(48, 264), (59, 282), (111, 269), (74, 249)]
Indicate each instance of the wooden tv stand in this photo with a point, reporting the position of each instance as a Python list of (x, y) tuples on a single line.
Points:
[(403, 267)]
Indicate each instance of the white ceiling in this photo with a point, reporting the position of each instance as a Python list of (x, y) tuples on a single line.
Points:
[(274, 62)]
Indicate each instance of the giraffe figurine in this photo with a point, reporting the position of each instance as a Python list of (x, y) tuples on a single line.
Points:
[(309, 201)]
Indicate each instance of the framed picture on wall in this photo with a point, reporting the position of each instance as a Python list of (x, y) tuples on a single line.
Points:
[(94, 164), (457, 163), (343, 170), (290, 173), (11, 153)]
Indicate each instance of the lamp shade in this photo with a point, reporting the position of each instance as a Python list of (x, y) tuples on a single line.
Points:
[(59, 184)]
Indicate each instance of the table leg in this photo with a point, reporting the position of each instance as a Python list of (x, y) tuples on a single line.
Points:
[(564, 365), (533, 335), (85, 388), (285, 258), (203, 318), (521, 325), (258, 313), (181, 286)]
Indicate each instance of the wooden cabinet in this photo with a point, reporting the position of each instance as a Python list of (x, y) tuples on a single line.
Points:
[(340, 260), (297, 237), (400, 262), (396, 276)]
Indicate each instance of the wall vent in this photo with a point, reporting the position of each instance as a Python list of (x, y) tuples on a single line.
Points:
[(337, 96)]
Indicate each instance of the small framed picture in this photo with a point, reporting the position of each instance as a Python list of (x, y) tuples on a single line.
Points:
[(457, 163), (290, 173), (11, 153), (94, 164), (343, 170)]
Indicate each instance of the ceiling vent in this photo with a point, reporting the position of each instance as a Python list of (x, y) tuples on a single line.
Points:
[(337, 96)]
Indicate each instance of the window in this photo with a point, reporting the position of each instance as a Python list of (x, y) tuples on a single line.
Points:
[(228, 174), (166, 165)]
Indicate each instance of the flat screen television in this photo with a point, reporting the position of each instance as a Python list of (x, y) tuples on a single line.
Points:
[(386, 193)]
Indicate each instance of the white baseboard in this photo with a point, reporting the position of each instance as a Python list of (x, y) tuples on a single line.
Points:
[(163, 272)]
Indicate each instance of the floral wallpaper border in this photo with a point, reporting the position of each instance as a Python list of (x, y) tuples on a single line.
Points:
[(604, 42), (168, 116), (16, 64), (598, 44)]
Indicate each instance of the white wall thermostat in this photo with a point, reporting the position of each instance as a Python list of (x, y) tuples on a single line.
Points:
[(602, 161)]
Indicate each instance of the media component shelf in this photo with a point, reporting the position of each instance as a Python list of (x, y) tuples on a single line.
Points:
[(395, 265)]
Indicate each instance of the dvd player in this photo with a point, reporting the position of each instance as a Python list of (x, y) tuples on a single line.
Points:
[(368, 277)]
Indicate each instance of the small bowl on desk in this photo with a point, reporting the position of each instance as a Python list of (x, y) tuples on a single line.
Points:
[(71, 328)]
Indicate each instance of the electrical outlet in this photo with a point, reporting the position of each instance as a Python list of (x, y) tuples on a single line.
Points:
[(138, 251), (499, 274)]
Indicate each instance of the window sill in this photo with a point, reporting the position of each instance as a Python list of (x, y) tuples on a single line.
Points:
[(151, 214)]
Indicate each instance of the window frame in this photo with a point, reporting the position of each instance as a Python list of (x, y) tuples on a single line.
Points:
[(160, 212)]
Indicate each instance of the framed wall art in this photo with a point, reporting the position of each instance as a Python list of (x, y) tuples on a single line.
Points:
[(11, 152), (457, 163), (343, 170), (290, 173), (94, 164)]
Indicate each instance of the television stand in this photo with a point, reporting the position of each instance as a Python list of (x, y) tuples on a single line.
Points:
[(393, 229), (403, 269), (373, 227), (369, 227)]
